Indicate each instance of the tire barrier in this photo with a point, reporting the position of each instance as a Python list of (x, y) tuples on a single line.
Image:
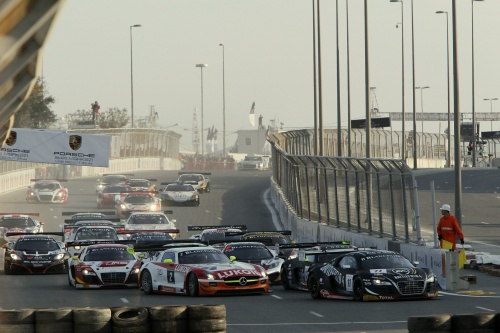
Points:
[(163, 318), (445, 323)]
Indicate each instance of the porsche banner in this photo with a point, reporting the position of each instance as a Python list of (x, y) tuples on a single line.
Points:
[(56, 147)]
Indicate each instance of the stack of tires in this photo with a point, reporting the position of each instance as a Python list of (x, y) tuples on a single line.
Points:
[(207, 318), (169, 319), (17, 321), (464, 323), (92, 320), (54, 320), (130, 320)]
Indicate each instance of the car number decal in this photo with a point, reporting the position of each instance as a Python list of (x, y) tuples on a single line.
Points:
[(348, 282), (170, 276)]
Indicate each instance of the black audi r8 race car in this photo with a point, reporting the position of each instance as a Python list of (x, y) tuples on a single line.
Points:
[(305, 257), (372, 275), (33, 254)]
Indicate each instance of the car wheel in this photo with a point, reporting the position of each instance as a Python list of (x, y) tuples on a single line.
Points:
[(193, 287), (69, 281), (313, 285), (284, 279), (207, 189), (358, 289), (146, 282), (6, 268)]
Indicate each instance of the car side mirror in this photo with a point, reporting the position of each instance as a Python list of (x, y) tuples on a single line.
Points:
[(167, 261)]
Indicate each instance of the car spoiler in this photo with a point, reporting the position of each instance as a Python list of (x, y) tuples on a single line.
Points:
[(164, 245), (8, 234), (221, 227), (99, 241), (117, 174), (72, 222), (260, 233), (166, 212), (39, 179), (166, 231), (141, 191), (30, 214), (189, 182), (195, 173), (306, 245), (109, 212)]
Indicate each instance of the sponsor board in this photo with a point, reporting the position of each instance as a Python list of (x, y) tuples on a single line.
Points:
[(56, 147)]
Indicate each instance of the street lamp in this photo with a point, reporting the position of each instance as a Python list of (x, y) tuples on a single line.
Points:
[(132, 75), (201, 66), (422, 112), (339, 124), (491, 109), (223, 105), (403, 147), (413, 92), (448, 76), (473, 92)]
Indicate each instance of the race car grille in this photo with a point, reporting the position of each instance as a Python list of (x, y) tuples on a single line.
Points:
[(411, 287), (235, 281), (45, 197), (113, 277)]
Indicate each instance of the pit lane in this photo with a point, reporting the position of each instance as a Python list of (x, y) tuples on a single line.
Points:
[(236, 198)]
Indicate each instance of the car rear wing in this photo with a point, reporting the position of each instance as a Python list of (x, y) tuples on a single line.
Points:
[(99, 241), (166, 231), (117, 174), (30, 214), (141, 191), (313, 244), (40, 179), (189, 182), (169, 244), (98, 220), (8, 234), (194, 173), (109, 212), (218, 227), (263, 234)]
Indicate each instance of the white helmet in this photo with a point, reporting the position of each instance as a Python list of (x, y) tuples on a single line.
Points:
[(445, 207)]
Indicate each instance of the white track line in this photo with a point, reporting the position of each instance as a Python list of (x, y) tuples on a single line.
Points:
[(276, 297), (316, 314), (124, 300)]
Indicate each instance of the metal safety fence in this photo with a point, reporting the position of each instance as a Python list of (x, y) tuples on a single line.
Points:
[(373, 195)]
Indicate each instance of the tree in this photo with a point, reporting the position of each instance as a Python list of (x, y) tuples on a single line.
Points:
[(113, 118), (35, 111)]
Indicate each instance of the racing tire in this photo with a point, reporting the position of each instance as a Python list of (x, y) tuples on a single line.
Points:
[(358, 289), (169, 318), (207, 189), (284, 279), (54, 320), (6, 268), (130, 319), (193, 287), (475, 322), (90, 320), (211, 311), (207, 325), (146, 282), (17, 321), (433, 323), (313, 286)]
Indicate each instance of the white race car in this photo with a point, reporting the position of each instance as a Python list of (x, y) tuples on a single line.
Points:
[(196, 178), (47, 190), (18, 222), (150, 221), (180, 194)]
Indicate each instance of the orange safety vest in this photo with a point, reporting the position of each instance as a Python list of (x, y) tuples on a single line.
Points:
[(449, 229)]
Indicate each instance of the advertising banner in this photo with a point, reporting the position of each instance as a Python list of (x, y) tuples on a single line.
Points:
[(56, 147)]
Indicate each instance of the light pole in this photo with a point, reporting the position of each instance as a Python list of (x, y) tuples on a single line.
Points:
[(132, 75), (448, 77), (413, 91), (491, 109), (339, 124), (403, 147), (473, 92), (223, 104), (201, 66), (348, 83), (422, 112)]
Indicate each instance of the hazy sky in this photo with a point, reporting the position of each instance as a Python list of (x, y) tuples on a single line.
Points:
[(268, 59)]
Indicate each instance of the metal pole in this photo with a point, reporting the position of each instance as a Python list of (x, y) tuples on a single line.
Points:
[(413, 91), (403, 143), (132, 77), (320, 95), (349, 150), (367, 86), (339, 125), (201, 66), (473, 92), (315, 82), (223, 104)]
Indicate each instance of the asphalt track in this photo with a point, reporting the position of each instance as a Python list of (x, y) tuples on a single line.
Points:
[(236, 198)]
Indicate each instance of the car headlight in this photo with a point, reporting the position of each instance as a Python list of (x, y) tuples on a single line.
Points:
[(15, 256), (431, 279), (88, 272), (123, 206), (78, 247), (135, 270), (32, 193), (380, 282), (59, 256), (274, 265), (60, 194), (210, 276), (263, 273)]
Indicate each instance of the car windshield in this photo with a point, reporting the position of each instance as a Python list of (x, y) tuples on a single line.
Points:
[(268, 240), (36, 245), (148, 219), (185, 178), (113, 180), (88, 216), (249, 252), (96, 233), (323, 257), (16, 222), (139, 199), (116, 189), (178, 187), (107, 254), (385, 261), (151, 236), (217, 236), (138, 183), (253, 158), (203, 257), (46, 186)]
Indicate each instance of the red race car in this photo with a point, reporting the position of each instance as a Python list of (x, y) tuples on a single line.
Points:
[(111, 194)]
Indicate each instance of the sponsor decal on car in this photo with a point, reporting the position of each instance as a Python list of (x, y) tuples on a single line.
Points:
[(234, 272)]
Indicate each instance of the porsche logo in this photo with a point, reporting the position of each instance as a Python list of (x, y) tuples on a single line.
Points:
[(243, 281), (75, 142), (11, 139)]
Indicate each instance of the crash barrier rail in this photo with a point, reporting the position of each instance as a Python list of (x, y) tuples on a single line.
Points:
[(376, 196), (155, 319), (461, 323)]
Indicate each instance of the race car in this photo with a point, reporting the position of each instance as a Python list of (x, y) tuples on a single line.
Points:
[(294, 271), (104, 265), (221, 234), (110, 194), (32, 254), (76, 242), (203, 183), (201, 270), (47, 190), (149, 221), (256, 253), (18, 222), (142, 185), (254, 163), (137, 202), (111, 179), (180, 194), (271, 239), (371, 275), (79, 216)]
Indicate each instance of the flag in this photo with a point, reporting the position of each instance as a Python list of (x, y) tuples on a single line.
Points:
[(251, 116)]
